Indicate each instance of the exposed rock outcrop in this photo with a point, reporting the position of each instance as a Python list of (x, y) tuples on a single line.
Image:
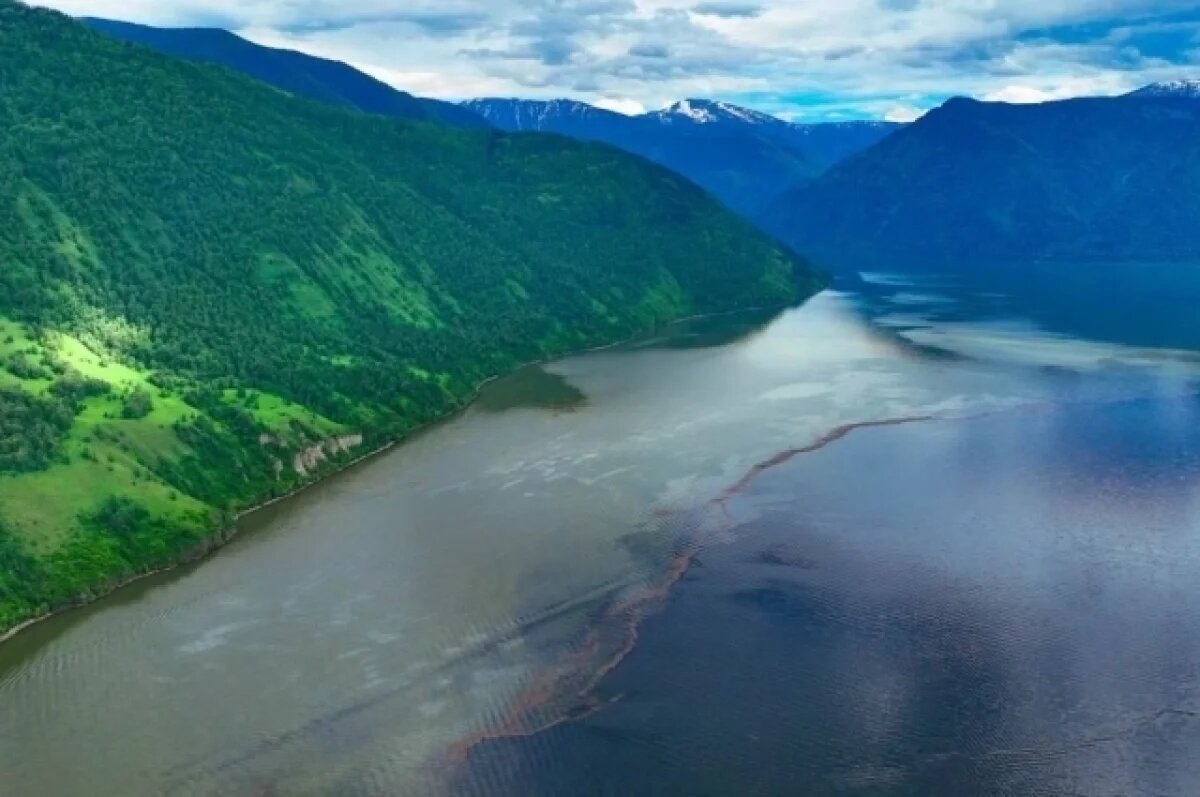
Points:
[(309, 459)]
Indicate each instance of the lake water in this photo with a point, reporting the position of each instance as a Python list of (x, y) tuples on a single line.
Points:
[(995, 594)]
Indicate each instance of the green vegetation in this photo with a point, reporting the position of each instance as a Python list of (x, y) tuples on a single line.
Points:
[(137, 405), (204, 281), (31, 430)]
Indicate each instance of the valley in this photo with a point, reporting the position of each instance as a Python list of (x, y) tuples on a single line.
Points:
[(599, 398)]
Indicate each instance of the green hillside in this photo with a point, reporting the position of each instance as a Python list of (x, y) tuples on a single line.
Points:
[(211, 292)]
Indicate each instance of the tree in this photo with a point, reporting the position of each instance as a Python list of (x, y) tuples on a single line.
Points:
[(138, 404)]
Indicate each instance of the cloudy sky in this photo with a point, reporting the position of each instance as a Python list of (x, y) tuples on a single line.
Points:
[(804, 59)]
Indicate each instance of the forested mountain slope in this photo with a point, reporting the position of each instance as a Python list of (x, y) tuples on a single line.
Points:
[(305, 75), (975, 183), (211, 291), (743, 157)]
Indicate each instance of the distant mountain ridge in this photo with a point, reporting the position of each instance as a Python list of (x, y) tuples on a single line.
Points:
[(295, 72), (712, 112), (1185, 88), (744, 157), (823, 143), (1102, 178)]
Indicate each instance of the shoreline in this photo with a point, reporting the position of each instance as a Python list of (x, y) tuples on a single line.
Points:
[(219, 538)]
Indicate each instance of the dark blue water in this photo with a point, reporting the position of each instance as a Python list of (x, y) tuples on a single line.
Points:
[(998, 605), (1133, 304)]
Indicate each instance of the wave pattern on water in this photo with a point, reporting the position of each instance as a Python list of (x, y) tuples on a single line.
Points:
[(566, 691)]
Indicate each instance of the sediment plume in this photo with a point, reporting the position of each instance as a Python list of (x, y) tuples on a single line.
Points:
[(568, 687)]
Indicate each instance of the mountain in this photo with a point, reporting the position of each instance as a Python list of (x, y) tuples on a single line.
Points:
[(564, 117), (973, 183), (214, 292), (823, 144), (831, 143), (304, 75), (743, 157), (743, 169), (1187, 89)]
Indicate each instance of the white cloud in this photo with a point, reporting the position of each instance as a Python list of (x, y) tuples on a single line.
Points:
[(806, 58), (1019, 94), (903, 113), (1025, 94), (621, 105)]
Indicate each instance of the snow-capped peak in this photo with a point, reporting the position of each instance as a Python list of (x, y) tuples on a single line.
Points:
[(709, 111), (1171, 88), (697, 111)]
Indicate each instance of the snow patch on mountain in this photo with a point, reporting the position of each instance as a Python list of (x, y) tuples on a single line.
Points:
[(1171, 88), (712, 111), (697, 112), (533, 115)]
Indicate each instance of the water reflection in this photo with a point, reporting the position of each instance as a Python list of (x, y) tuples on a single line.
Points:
[(1139, 305), (532, 387)]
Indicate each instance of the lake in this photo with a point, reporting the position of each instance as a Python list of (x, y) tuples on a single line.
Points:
[(903, 541)]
